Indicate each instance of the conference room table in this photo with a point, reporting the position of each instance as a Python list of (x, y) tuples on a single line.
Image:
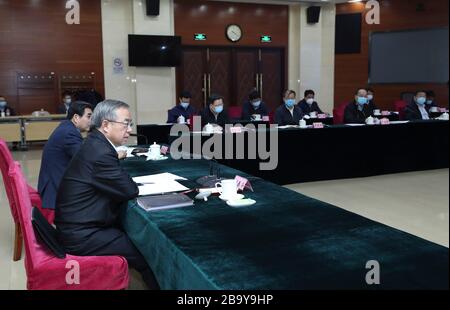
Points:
[(343, 151), (284, 241)]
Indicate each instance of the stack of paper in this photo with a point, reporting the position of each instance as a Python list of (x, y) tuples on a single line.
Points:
[(159, 184)]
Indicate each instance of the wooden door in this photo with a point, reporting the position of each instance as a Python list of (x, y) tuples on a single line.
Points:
[(272, 76), (191, 75), (220, 78), (245, 67)]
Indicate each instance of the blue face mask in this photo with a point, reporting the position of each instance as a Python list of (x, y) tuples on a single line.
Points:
[(185, 105), (256, 104), (289, 103), (429, 102), (421, 100), (218, 109), (362, 100), (2, 104)]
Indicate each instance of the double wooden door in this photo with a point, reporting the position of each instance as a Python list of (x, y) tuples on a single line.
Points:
[(232, 73)]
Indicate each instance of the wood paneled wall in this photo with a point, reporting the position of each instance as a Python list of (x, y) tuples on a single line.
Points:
[(34, 37), (352, 70), (211, 18)]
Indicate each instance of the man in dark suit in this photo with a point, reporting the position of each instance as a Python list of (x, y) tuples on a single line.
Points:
[(357, 111), (417, 110), (63, 108), (62, 145), (214, 113), (184, 109), (254, 106), (93, 190), (308, 104), (5, 108), (288, 113), (371, 99)]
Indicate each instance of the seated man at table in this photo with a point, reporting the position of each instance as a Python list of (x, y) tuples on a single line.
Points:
[(62, 145), (214, 113), (5, 108), (93, 190), (417, 110), (288, 113), (66, 101), (183, 111), (357, 111), (254, 106), (308, 104)]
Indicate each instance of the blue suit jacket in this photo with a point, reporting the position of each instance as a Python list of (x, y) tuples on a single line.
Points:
[(62, 145)]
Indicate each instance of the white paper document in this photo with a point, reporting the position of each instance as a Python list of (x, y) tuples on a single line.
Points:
[(159, 183), (161, 187)]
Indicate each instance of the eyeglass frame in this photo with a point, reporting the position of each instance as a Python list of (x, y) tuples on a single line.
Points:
[(129, 124)]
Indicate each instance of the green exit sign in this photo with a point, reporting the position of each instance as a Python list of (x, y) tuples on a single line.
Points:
[(200, 37), (266, 39)]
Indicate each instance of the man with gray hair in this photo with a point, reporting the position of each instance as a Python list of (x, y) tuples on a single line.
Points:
[(93, 189)]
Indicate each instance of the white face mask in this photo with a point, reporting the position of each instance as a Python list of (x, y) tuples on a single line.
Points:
[(310, 101), (369, 97), (67, 101)]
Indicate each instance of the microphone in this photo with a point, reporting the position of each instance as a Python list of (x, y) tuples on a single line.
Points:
[(140, 136)]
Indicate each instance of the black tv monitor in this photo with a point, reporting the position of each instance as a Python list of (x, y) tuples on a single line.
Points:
[(154, 51)]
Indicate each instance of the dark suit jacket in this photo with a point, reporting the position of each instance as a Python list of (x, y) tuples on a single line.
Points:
[(62, 145), (284, 117), (412, 112), (306, 108), (248, 110), (209, 117), (91, 193), (177, 111), (62, 109), (352, 115)]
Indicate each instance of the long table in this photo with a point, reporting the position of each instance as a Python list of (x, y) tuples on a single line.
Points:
[(285, 241), (29, 128), (340, 151)]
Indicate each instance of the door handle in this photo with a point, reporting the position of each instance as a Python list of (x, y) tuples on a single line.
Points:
[(204, 90), (209, 84), (261, 85)]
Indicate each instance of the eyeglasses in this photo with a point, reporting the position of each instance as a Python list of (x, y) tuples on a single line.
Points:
[(128, 124)]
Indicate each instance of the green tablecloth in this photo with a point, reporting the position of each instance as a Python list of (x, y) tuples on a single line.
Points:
[(285, 241)]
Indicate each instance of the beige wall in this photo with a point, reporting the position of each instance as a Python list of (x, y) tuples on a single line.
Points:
[(149, 91), (311, 54)]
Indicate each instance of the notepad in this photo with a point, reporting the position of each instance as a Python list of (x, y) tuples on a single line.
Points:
[(163, 202)]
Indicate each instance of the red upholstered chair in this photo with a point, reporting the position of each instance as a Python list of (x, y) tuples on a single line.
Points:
[(235, 112), (6, 160), (338, 113), (272, 117), (47, 272), (400, 106)]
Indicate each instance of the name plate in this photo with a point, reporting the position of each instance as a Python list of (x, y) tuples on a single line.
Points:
[(385, 113), (236, 129), (385, 121), (443, 110), (322, 116), (317, 125), (265, 118)]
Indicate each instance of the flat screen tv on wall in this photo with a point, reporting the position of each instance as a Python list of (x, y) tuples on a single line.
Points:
[(154, 51)]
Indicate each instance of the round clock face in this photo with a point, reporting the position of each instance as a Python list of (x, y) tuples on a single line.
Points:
[(234, 33)]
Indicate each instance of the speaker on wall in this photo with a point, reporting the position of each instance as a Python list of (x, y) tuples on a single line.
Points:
[(313, 14), (152, 7)]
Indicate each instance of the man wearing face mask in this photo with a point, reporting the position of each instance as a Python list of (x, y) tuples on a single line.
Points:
[(288, 113), (183, 111), (5, 109), (254, 106), (67, 100), (357, 111), (308, 104), (416, 110), (214, 113), (431, 100)]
